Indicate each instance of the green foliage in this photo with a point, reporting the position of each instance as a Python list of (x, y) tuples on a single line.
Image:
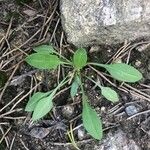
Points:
[(44, 49), (43, 61), (80, 58), (41, 103), (123, 72), (109, 94), (48, 58), (43, 106), (74, 88), (34, 100), (91, 121)]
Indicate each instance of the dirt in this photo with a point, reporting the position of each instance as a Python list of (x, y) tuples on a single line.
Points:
[(24, 27)]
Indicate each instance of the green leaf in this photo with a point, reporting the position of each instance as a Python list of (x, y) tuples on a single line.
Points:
[(123, 72), (42, 108), (91, 121), (109, 94), (43, 61), (74, 88), (45, 104), (44, 49), (80, 58), (34, 100)]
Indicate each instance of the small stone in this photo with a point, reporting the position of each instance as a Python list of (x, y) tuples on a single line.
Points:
[(142, 48), (39, 76), (81, 133), (68, 111), (94, 49), (118, 60), (103, 109), (39, 132), (131, 110), (138, 63), (29, 12)]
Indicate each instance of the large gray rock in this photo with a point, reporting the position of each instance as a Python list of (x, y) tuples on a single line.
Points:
[(88, 22)]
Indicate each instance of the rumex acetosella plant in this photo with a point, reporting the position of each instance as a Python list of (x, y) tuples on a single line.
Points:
[(46, 57)]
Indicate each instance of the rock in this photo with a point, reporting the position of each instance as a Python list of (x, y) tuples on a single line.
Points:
[(41, 129), (81, 133), (39, 132), (88, 22), (117, 141), (29, 12), (131, 110), (68, 111)]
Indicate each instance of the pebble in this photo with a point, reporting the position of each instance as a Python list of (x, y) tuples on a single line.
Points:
[(142, 48), (131, 110), (81, 133), (29, 12), (138, 63), (39, 132), (94, 49), (68, 111)]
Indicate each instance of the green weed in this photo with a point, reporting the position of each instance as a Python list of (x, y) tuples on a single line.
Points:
[(46, 57)]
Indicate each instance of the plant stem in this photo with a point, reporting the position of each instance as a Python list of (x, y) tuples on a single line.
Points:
[(97, 64), (81, 85), (68, 61), (93, 81), (62, 83)]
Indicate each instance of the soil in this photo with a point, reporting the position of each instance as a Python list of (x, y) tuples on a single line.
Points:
[(25, 24)]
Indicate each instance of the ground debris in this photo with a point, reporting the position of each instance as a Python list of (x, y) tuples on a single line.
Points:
[(117, 141), (41, 132), (145, 126)]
